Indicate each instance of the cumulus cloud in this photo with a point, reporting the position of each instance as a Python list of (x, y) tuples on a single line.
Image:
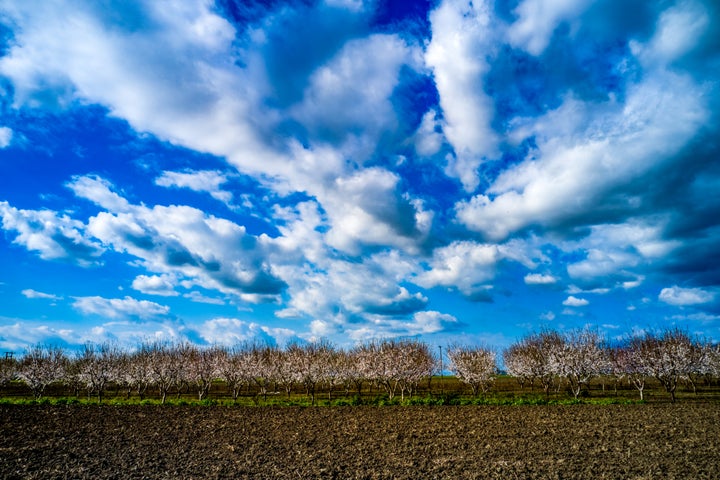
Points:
[(582, 153), (462, 33), (422, 323), (470, 266), (680, 296), (351, 93), (572, 301), (367, 209), (51, 234), (465, 265), (213, 252), (220, 106), (352, 292), (232, 331), (162, 285), (617, 253), (16, 335), (198, 297), (539, 279), (119, 308), (99, 191)]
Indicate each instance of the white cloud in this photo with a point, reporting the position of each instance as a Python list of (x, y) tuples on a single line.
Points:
[(367, 209), (119, 308), (462, 33), (422, 323), (232, 331), (185, 81), (538, 19), (702, 317), (197, 297), (351, 93), (17, 335), (574, 290), (633, 283), (540, 279), (174, 79), (612, 249), (680, 296), (428, 140), (99, 191), (208, 181), (575, 302), (162, 285), (52, 235), (212, 252), (30, 293), (340, 291), (465, 265), (469, 266), (6, 135), (679, 29), (583, 152)]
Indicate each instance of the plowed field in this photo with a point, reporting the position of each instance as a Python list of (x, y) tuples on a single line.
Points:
[(579, 441)]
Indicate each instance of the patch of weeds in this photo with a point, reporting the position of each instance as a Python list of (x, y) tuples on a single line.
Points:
[(531, 401)]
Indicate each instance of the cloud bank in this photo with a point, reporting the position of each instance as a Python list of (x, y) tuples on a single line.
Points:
[(331, 169)]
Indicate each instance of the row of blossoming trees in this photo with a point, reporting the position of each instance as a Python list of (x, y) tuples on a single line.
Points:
[(395, 366), (548, 358), (576, 357)]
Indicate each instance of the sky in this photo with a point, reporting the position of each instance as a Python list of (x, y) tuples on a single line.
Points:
[(452, 171)]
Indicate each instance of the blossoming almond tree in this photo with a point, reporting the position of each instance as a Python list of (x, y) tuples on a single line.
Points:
[(533, 357), (579, 357), (97, 366), (476, 366), (235, 367), (202, 368), (670, 358), (8, 370), (40, 366), (311, 364), (396, 364)]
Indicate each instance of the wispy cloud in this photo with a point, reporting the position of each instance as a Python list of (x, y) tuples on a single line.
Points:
[(6, 135), (30, 293), (208, 181)]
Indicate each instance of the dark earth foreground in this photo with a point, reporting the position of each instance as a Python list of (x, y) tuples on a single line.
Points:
[(579, 441)]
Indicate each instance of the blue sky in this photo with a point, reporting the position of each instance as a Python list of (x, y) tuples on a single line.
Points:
[(449, 170)]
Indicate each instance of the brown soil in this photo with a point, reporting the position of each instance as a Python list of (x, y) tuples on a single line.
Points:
[(581, 441)]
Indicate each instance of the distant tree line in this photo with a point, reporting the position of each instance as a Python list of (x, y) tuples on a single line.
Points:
[(549, 358)]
